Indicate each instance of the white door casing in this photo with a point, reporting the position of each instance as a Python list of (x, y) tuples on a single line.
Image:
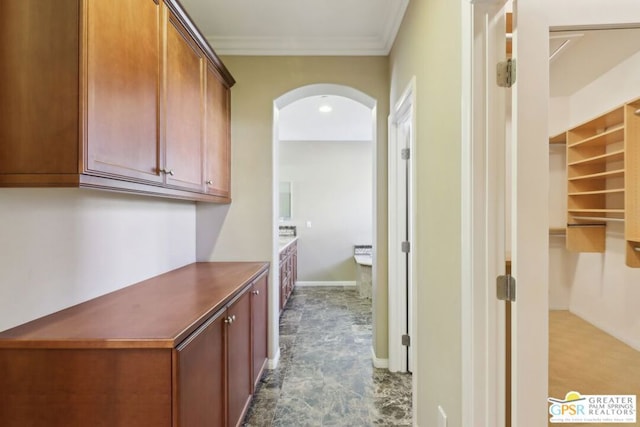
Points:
[(483, 215), (401, 227)]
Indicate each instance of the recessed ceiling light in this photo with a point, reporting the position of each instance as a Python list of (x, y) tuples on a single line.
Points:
[(325, 108)]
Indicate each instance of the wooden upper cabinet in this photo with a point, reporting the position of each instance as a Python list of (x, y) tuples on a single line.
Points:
[(38, 90), (183, 118), (110, 95), (122, 88), (217, 135)]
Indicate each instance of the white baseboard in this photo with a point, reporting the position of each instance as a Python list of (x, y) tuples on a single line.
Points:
[(584, 316), (347, 284), (273, 363), (379, 363)]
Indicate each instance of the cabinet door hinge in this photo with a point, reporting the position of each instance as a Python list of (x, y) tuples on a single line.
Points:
[(406, 340), (405, 247), (405, 153), (506, 73), (506, 288)]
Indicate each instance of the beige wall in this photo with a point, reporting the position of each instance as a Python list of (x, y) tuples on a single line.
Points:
[(246, 225), (429, 47)]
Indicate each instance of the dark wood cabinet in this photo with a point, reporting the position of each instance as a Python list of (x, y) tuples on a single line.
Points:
[(177, 350), (259, 322), (183, 117), (201, 375), (217, 134), (122, 89), (112, 95), (239, 358), (288, 272)]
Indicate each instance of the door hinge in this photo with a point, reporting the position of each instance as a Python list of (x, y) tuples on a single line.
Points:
[(405, 153), (405, 247), (406, 340), (506, 288), (506, 73)]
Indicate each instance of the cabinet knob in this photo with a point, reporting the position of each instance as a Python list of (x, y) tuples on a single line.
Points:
[(209, 182), (256, 292), (229, 319), (233, 318), (167, 172)]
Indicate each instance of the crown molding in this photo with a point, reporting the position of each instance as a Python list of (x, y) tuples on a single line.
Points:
[(315, 46)]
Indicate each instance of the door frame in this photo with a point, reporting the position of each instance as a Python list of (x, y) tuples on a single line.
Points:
[(481, 341), (401, 303), (482, 245), (293, 95)]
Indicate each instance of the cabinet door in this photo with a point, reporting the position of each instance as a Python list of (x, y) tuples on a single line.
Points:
[(123, 69), (38, 95), (217, 135), (239, 358), (184, 150), (259, 327), (200, 373), (283, 284)]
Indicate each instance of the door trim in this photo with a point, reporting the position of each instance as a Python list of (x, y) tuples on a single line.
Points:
[(482, 359), (397, 291)]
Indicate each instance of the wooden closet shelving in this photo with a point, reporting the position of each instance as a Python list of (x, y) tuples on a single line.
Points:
[(603, 159)]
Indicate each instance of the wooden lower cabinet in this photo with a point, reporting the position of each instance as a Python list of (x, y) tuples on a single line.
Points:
[(178, 350), (201, 397), (288, 272), (259, 321), (239, 358)]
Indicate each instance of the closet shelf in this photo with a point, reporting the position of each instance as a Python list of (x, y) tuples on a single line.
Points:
[(604, 158), (603, 180), (601, 175), (604, 211), (591, 193), (607, 137), (561, 138), (594, 218)]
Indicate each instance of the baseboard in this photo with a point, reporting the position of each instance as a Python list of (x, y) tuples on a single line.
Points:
[(379, 363), (633, 344), (347, 284), (273, 363)]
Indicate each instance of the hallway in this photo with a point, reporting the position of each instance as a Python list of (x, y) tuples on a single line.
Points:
[(325, 376)]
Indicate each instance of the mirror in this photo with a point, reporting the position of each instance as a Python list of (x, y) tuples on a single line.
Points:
[(285, 201)]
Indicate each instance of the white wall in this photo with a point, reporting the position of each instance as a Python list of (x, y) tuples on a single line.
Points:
[(59, 247), (603, 290), (332, 188)]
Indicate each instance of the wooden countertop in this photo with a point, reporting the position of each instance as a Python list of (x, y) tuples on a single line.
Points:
[(157, 313)]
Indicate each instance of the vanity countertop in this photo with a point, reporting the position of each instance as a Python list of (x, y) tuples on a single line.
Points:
[(285, 241), (363, 259)]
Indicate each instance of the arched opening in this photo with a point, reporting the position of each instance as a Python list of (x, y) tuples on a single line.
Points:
[(293, 96)]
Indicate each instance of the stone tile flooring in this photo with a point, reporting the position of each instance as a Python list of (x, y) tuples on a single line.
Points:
[(325, 376)]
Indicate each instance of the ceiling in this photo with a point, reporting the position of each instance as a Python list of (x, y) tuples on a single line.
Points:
[(583, 56), (298, 27), (348, 120)]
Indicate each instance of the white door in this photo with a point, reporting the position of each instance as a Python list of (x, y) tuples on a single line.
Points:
[(529, 164), (401, 236), (509, 218)]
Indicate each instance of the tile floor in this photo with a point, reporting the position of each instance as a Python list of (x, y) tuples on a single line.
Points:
[(325, 376)]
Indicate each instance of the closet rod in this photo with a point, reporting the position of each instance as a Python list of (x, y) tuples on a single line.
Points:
[(636, 248), (586, 225)]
